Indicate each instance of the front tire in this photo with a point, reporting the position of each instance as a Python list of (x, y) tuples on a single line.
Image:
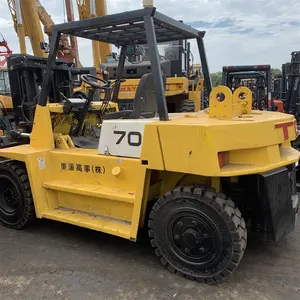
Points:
[(16, 203), (198, 233), (187, 106)]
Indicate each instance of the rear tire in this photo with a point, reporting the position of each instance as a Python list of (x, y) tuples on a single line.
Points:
[(198, 233), (187, 106), (16, 203)]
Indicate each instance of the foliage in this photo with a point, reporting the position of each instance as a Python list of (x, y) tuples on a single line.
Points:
[(216, 78), (275, 71)]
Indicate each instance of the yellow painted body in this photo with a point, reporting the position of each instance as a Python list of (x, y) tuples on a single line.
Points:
[(5, 98), (62, 123), (7, 102), (110, 194), (19, 27)]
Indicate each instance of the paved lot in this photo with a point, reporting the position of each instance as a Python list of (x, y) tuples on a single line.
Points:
[(59, 261)]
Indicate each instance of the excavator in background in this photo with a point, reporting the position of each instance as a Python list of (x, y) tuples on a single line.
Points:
[(28, 15), (5, 51), (90, 9)]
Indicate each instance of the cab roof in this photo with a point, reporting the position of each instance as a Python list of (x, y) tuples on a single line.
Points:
[(129, 27)]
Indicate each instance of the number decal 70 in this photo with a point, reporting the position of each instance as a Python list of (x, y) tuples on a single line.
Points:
[(130, 137)]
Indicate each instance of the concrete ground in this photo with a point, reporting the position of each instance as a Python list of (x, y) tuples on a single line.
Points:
[(58, 261)]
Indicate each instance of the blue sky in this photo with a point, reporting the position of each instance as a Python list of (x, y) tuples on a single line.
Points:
[(237, 31)]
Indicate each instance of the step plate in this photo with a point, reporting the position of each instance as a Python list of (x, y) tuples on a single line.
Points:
[(94, 222)]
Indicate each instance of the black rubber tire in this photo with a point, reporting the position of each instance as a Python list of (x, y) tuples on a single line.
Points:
[(14, 179), (187, 106), (225, 219)]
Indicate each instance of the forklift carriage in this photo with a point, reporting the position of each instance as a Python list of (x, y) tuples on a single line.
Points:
[(197, 178)]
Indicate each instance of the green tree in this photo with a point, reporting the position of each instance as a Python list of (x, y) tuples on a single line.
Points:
[(216, 78), (275, 71)]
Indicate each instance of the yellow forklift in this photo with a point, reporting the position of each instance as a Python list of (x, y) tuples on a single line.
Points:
[(200, 175)]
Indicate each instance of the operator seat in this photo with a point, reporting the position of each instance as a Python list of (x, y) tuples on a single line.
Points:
[(144, 103)]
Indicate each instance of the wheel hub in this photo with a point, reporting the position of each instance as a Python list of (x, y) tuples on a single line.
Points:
[(192, 237), (8, 198)]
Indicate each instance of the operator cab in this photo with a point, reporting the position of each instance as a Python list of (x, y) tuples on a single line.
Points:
[(127, 31)]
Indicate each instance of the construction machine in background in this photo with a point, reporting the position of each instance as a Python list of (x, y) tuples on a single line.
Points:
[(235, 76), (6, 117), (184, 83), (5, 51), (26, 79), (90, 9), (183, 91), (28, 15), (201, 175), (286, 86), (290, 91), (6, 107), (292, 101)]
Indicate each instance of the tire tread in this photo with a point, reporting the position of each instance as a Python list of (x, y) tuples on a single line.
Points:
[(222, 205), (29, 210)]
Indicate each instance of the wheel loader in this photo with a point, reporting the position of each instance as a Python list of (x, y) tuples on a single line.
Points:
[(184, 83), (193, 179)]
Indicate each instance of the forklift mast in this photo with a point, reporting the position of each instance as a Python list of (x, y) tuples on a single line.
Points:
[(293, 85), (26, 74)]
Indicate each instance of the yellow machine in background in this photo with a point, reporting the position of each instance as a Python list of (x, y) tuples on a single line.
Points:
[(90, 9), (28, 15), (177, 89), (5, 98), (184, 81)]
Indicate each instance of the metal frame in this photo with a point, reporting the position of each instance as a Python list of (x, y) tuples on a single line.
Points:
[(293, 81), (143, 26)]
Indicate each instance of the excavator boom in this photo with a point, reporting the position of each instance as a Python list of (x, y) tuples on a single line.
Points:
[(92, 8), (27, 16), (4, 53)]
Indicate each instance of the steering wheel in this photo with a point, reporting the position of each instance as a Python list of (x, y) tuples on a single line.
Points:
[(88, 79)]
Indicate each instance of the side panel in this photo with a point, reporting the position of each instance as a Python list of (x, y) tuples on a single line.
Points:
[(151, 150)]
